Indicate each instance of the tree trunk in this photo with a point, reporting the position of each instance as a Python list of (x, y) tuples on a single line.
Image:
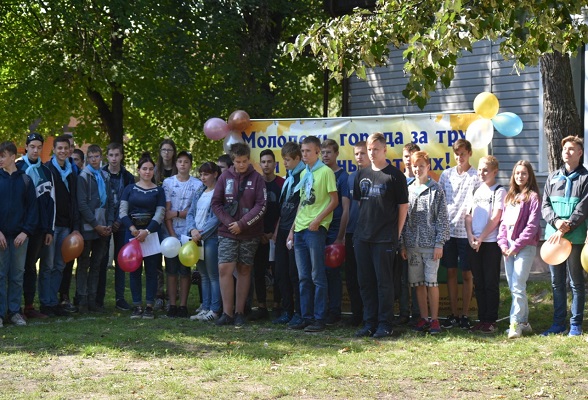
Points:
[(560, 114)]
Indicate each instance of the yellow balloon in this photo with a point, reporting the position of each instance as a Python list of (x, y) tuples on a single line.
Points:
[(486, 105), (557, 253), (189, 254), (584, 257)]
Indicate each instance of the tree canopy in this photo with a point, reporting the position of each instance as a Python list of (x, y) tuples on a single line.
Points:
[(145, 70)]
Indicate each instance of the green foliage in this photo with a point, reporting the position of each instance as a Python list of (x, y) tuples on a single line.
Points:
[(433, 34), (149, 70)]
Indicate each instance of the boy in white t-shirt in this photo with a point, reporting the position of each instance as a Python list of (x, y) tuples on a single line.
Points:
[(481, 224)]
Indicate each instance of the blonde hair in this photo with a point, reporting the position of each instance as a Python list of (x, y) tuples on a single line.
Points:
[(491, 161)]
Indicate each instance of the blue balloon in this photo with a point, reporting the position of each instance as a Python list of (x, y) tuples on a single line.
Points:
[(508, 124)]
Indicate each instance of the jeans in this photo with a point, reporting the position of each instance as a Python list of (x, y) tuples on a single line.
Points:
[(29, 283), (558, 282), (334, 281), (260, 266), (351, 279), (151, 264), (211, 297), (286, 274), (309, 248), (12, 261), (517, 272), (88, 270), (51, 269), (485, 264), (375, 263)]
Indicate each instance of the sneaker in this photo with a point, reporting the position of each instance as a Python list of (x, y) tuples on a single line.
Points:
[(159, 303), (366, 331), (464, 322), (148, 313), (435, 327), (450, 322), (423, 325), (401, 320), (209, 316), (225, 319), (302, 324), (488, 328), (18, 320), (332, 319), (182, 312), (476, 328), (315, 327), (30, 312), (121, 304), (172, 311), (258, 314), (295, 320), (515, 330), (555, 329), (59, 311), (137, 312), (47, 310), (527, 330), (575, 330), (282, 319), (68, 307), (382, 333), (240, 320), (199, 315)]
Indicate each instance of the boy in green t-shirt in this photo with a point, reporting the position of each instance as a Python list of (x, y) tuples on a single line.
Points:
[(318, 199)]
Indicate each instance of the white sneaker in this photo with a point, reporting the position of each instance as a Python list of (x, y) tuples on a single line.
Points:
[(198, 315), (515, 331), (18, 320), (209, 316)]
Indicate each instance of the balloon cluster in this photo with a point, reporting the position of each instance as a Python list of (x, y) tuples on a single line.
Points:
[(188, 253), (481, 131), (230, 132)]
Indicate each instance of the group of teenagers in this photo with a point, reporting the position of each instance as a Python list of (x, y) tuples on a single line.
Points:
[(397, 227)]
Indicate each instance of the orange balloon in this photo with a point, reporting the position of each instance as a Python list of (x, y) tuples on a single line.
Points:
[(555, 254), (239, 121), (584, 257), (72, 247)]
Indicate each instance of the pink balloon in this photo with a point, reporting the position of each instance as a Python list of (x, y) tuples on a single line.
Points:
[(130, 256), (216, 129)]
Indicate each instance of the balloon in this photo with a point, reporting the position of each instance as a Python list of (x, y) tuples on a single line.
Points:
[(334, 255), (480, 133), (216, 129), (189, 254), (130, 256), (232, 138), (584, 257), (507, 123), (72, 247), (486, 105), (170, 247), (555, 254), (239, 121)]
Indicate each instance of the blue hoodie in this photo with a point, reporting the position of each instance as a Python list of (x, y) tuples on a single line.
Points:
[(19, 212)]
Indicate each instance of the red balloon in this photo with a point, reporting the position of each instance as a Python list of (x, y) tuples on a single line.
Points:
[(72, 247), (130, 256), (239, 121), (334, 255)]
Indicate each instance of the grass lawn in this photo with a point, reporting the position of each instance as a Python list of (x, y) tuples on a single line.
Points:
[(112, 356)]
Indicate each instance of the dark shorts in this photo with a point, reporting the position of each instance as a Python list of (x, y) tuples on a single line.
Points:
[(455, 254), (174, 267), (239, 251)]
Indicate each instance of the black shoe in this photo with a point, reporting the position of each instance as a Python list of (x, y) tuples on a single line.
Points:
[(316, 327), (464, 322), (450, 322), (225, 320), (332, 319), (182, 312), (47, 310), (402, 320), (301, 325), (240, 320), (148, 313), (382, 333), (121, 304), (364, 332), (259, 314), (172, 311), (68, 307), (60, 312), (353, 322), (137, 312)]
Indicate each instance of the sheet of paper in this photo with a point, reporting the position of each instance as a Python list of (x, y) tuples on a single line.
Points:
[(151, 245), (272, 252)]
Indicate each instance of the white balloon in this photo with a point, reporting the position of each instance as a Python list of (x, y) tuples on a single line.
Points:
[(230, 139), (170, 247), (480, 133)]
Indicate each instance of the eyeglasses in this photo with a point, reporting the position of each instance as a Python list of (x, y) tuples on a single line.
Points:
[(167, 150)]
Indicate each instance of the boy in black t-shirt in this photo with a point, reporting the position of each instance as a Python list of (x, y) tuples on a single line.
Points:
[(286, 272), (383, 195)]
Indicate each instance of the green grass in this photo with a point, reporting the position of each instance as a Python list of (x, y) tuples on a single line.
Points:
[(112, 356)]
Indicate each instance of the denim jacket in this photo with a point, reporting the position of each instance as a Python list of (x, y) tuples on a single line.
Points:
[(212, 222)]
